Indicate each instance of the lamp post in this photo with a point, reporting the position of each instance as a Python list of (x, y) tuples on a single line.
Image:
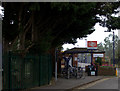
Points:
[(119, 47), (113, 50)]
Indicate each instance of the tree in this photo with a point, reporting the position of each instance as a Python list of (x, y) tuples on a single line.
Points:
[(40, 27), (110, 21), (100, 46), (107, 46)]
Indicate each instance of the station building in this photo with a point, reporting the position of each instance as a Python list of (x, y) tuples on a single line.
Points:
[(81, 57)]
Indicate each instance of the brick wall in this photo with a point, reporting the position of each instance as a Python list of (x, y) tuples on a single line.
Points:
[(102, 71)]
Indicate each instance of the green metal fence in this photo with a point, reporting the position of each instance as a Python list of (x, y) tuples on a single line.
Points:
[(27, 72)]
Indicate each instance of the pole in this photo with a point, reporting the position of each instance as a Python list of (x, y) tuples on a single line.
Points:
[(91, 56), (113, 50), (119, 43), (55, 64), (119, 47)]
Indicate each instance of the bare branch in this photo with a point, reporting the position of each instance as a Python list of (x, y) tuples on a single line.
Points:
[(29, 47), (29, 21)]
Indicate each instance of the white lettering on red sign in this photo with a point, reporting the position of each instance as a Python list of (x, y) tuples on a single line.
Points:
[(92, 43)]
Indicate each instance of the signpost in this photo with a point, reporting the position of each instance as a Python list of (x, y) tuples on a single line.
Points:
[(91, 45)]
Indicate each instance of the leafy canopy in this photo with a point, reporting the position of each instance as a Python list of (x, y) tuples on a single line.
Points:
[(51, 24)]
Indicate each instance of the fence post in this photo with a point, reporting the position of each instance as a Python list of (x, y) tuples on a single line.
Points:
[(48, 67), (39, 69)]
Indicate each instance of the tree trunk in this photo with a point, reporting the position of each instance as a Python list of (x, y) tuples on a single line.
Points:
[(22, 41), (5, 46), (21, 35), (34, 29)]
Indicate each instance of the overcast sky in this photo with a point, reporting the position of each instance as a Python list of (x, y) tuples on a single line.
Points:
[(98, 35), (1, 10)]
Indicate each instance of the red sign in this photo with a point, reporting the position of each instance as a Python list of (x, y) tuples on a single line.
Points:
[(91, 43)]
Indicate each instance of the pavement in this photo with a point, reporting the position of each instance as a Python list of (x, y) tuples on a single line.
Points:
[(71, 83)]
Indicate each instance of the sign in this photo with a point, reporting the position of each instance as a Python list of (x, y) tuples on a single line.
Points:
[(119, 34), (75, 58), (92, 73), (92, 44), (98, 55)]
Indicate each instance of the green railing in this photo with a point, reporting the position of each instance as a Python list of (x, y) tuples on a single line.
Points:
[(27, 72)]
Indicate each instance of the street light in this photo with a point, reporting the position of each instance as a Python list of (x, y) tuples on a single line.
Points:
[(113, 47)]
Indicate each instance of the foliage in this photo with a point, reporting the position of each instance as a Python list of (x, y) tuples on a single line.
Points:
[(99, 61), (42, 26), (111, 21), (100, 46), (107, 46)]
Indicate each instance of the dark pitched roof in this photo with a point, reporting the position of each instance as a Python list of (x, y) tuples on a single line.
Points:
[(83, 50)]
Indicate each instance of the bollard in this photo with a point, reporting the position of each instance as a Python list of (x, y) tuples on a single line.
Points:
[(116, 71)]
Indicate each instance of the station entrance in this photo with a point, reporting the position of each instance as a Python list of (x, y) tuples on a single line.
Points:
[(80, 57)]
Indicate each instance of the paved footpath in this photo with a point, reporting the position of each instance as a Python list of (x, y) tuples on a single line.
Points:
[(71, 83)]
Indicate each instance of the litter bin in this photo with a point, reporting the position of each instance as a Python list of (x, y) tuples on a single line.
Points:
[(92, 71)]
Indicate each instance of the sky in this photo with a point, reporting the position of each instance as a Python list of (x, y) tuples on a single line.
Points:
[(1, 10), (98, 35)]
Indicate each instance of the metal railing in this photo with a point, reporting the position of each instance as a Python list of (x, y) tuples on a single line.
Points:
[(27, 72)]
